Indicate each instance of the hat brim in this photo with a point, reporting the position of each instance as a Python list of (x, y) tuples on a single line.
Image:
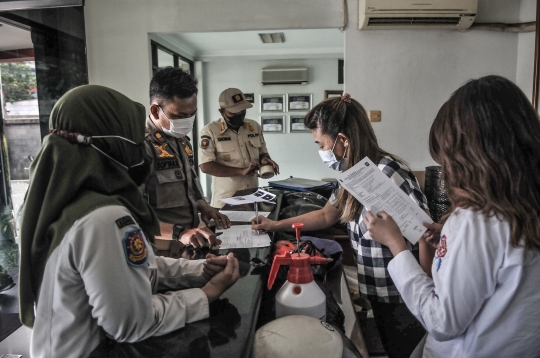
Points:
[(239, 107)]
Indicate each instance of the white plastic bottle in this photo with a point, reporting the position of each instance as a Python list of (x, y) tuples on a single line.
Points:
[(305, 299)]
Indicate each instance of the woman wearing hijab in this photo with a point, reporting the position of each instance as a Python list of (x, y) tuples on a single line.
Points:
[(87, 265)]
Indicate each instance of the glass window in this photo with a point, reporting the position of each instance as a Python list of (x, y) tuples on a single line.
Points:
[(165, 59)]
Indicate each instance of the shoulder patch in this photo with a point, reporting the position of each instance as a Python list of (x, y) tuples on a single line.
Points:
[(205, 142), (125, 221), (135, 248), (206, 136), (223, 139)]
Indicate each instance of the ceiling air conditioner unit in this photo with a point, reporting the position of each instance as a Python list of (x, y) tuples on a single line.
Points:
[(284, 76), (416, 14)]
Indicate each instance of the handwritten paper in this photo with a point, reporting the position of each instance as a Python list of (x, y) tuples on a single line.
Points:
[(258, 196), (245, 216), (377, 192), (241, 236)]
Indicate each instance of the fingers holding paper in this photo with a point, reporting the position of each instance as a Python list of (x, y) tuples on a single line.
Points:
[(383, 229), (433, 233)]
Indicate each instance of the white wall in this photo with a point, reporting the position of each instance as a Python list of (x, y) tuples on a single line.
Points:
[(118, 41), (296, 153), (408, 75), (525, 59)]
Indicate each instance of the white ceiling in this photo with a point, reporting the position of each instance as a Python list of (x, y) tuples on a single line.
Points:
[(298, 44), (13, 38)]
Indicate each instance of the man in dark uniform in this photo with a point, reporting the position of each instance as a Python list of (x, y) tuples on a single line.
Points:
[(173, 189)]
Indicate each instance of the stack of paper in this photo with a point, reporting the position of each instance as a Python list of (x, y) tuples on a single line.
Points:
[(241, 236), (244, 216)]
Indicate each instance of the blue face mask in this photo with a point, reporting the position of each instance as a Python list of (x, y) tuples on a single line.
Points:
[(329, 158)]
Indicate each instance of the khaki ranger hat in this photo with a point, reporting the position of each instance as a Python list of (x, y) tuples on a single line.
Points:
[(233, 100)]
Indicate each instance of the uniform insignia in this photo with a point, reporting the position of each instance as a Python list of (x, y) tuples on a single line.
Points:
[(237, 98), (441, 251), (164, 153), (125, 221), (250, 127), (188, 150), (164, 164), (135, 248), (223, 139), (159, 137), (253, 135), (205, 142), (222, 126)]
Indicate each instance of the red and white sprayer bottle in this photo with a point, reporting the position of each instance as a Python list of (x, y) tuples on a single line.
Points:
[(300, 295)]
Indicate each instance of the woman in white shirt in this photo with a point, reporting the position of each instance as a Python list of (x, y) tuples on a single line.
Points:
[(484, 296)]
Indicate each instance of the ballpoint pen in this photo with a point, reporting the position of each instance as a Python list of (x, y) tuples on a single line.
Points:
[(257, 216)]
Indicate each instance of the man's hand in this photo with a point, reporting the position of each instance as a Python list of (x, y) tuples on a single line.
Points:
[(209, 213), (251, 170), (383, 229), (222, 280), (433, 234), (213, 265), (268, 161), (263, 226), (198, 236)]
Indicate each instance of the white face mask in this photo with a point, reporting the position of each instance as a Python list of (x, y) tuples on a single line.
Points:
[(328, 157), (179, 127)]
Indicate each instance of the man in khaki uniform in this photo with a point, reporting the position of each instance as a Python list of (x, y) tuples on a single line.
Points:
[(172, 188), (233, 148)]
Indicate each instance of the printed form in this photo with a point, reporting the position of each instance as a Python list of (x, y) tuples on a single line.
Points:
[(241, 236), (377, 192)]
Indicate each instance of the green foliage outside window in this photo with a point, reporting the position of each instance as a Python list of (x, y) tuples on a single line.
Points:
[(18, 80)]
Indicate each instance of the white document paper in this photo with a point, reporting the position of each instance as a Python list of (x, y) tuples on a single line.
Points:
[(272, 106), (299, 105), (241, 236), (258, 196), (377, 192), (245, 216), (272, 127), (299, 127)]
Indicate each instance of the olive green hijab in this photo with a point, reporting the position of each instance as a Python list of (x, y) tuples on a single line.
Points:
[(70, 180)]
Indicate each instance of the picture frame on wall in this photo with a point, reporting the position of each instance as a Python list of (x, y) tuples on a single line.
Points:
[(299, 101), (273, 124), (272, 102), (297, 123), (250, 97), (331, 93)]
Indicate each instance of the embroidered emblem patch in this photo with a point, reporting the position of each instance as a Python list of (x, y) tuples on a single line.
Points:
[(135, 248), (237, 98), (205, 143), (222, 126), (188, 150), (164, 153), (125, 221), (250, 127), (223, 139), (159, 137), (441, 251)]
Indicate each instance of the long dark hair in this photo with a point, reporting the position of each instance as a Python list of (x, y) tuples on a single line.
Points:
[(347, 116), (487, 140)]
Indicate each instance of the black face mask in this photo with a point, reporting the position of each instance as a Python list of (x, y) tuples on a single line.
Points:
[(236, 120), (140, 173)]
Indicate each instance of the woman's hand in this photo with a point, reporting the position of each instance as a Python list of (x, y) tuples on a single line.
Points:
[(385, 231), (263, 226), (433, 234), (222, 280)]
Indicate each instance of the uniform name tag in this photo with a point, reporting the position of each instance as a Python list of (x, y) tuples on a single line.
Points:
[(223, 139), (135, 248), (253, 135), (125, 221), (167, 164)]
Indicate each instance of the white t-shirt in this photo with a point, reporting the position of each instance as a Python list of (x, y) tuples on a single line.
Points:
[(90, 289), (484, 299)]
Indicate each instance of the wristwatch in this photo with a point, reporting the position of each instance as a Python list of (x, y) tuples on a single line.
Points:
[(176, 244), (177, 229)]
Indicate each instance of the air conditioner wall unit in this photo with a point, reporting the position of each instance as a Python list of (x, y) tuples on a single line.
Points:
[(416, 14), (284, 76)]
